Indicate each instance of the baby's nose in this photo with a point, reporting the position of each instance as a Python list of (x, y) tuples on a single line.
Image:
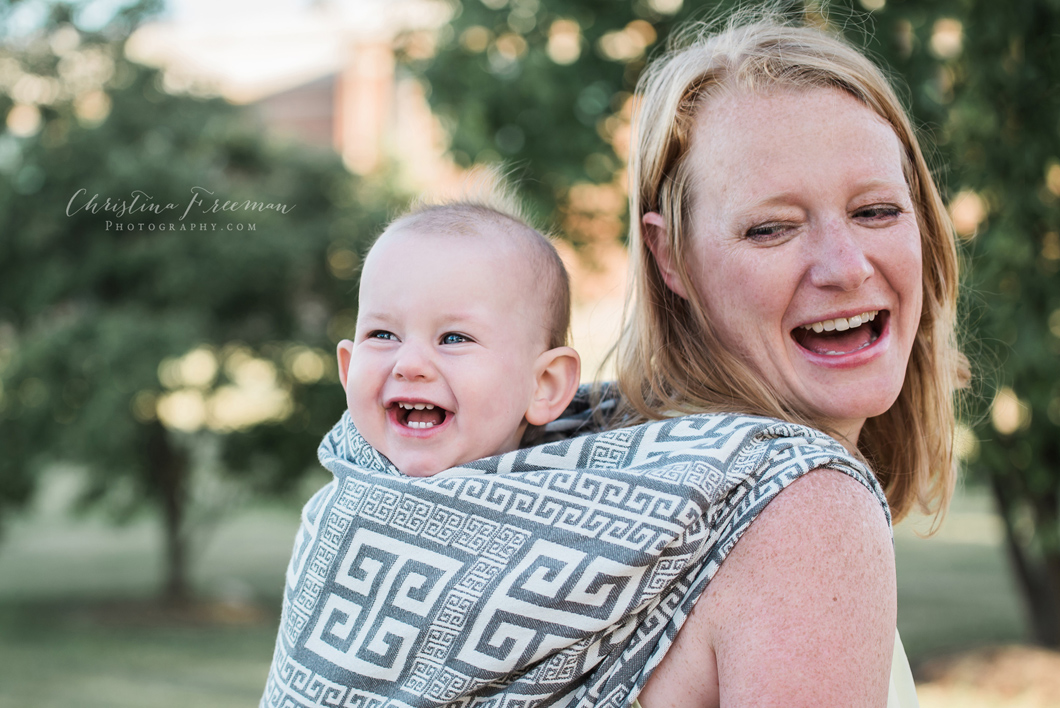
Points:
[(413, 363)]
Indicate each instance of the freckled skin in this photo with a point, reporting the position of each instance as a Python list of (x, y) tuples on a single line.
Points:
[(792, 223), (800, 213), (801, 613)]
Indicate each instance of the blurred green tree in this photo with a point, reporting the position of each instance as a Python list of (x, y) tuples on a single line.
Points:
[(546, 84), (166, 339), (1002, 137)]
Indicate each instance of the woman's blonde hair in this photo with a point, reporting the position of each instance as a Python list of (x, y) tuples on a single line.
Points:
[(670, 359)]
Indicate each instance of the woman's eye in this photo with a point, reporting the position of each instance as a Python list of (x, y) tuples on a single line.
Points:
[(382, 334), (454, 338), (878, 212), (767, 232)]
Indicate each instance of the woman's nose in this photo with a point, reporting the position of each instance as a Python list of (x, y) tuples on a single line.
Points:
[(413, 363), (839, 259)]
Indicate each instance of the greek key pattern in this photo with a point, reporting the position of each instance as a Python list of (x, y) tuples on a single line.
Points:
[(556, 575)]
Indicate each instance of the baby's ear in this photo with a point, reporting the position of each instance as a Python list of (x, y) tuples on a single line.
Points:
[(557, 372), (344, 353)]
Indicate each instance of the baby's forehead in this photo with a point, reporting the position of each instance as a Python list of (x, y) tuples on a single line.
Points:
[(501, 242), (477, 269), (472, 250)]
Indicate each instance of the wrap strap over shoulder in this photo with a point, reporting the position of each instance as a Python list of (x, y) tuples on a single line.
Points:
[(556, 575)]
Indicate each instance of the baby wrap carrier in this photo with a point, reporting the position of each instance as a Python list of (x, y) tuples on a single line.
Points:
[(556, 575)]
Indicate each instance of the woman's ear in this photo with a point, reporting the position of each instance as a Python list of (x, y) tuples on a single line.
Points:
[(653, 227), (344, 353), (557, 373)]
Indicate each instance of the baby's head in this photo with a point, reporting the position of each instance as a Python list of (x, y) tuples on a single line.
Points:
[(461, 336)]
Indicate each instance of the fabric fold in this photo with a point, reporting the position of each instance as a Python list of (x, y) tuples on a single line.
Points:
[(556, 575)]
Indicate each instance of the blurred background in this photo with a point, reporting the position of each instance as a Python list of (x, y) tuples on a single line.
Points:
[(187, 189)]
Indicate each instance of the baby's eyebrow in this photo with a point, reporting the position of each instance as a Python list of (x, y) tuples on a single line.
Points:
[(381, 316), (388, 318), (367, 321), (460, 317)]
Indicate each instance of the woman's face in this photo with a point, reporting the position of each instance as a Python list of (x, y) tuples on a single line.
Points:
[(804, 248)]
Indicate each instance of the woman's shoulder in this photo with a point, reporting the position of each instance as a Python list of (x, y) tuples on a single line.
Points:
[(754, 459), (816, 561)]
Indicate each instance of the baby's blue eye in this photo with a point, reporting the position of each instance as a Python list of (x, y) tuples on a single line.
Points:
[(454, 338), (382, 334)]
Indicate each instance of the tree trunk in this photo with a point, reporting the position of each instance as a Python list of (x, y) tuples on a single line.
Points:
[(1052, 573), (1045, 513), (1038, 583), (170, 473)]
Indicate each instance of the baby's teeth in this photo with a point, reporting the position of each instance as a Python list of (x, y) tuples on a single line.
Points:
[(421, 425), (416, 406)]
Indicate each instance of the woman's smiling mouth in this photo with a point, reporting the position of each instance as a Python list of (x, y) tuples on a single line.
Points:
[(842, 335)]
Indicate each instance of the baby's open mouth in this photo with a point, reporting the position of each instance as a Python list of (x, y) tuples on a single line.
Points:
[(419, 416), (843, 335)]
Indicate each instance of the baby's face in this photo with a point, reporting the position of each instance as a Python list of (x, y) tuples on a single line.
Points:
[(441, 367)]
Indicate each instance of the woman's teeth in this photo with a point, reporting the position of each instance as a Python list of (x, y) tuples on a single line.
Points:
[(841, 324)]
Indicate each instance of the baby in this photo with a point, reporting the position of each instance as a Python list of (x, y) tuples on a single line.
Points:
[(461, 330)]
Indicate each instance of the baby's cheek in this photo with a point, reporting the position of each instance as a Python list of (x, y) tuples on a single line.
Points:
[(491, 405), (366, 416)]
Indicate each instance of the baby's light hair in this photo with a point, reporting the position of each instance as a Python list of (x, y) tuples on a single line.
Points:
[(487, 204)]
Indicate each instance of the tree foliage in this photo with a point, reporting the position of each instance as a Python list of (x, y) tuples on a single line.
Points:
[(546, 84), (1004, 143), (167, 338)]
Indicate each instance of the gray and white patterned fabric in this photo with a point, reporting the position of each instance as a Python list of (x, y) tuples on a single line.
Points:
[(556, 575)]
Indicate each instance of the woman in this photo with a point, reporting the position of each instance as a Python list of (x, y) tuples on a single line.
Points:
[(792, 258), (778, 197)]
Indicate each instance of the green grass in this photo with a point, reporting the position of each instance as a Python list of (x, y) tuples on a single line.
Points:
[(78, 628), (955, 590), (79, 625), (54, 655)]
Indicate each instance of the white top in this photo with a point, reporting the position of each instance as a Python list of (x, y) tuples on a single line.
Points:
[(902, 692)]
